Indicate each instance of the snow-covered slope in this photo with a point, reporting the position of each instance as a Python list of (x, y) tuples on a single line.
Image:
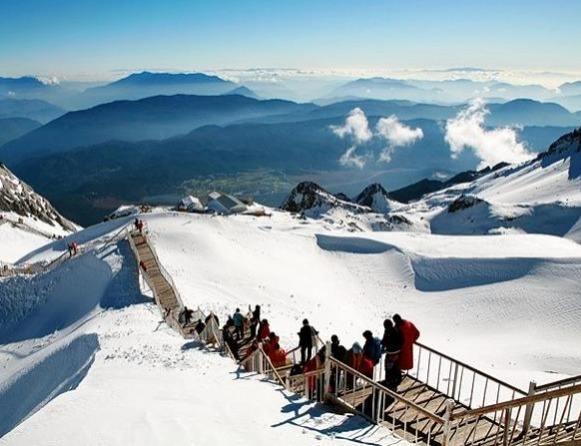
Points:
[(540, 196), (27, 220), (83, 352)]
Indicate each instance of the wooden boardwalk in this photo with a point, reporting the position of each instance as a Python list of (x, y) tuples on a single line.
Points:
[(164, 292)]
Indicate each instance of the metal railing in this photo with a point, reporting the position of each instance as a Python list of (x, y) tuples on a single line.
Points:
[(382, 405), (44, 266), (512, 427), (464, 383)]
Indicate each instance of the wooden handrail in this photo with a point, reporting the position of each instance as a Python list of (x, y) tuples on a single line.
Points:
[(391, 393), (518, 402), (561, 382), (271, 365), (473, 369)]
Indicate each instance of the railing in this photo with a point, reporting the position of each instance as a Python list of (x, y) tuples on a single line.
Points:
[(459, 381), (382, 405), (42, 267), (512, 427), (553, 412)]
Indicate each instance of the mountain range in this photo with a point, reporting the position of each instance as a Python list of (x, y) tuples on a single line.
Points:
[(144, 84), (89, 162), (153, 118)]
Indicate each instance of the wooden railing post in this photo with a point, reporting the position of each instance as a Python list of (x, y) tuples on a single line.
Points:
[(506, 433), (455, 379), (529, 408), (327, 372), (450, 404)]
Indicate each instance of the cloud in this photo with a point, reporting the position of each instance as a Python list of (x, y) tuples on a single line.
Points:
[(396, 134), (467, 130), (356, 126), (351, 159)]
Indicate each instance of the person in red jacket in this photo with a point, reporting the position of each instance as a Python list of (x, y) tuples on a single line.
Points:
[(315, 384), (268, 344), (357, 361), (277, 356), (410, 335)]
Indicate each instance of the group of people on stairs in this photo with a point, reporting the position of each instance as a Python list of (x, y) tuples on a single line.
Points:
[(399, 336), (244, 335)]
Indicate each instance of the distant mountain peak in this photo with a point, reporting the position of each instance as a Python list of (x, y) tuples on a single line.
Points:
[(376, 197), (309, 196), (152, 78), (243, 91)]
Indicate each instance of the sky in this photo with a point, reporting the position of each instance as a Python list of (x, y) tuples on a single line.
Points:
[(98, 39)]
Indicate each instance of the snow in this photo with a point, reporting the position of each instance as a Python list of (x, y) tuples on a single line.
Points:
[(15, 243), (96, 362), (455, 288), (86, 359)]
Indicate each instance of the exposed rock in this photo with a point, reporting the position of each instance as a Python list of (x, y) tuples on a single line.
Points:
[(18, 197), (464, 202), (375, 197)]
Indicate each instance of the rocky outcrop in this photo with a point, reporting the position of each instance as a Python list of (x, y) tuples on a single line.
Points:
[(19, 198), (309, 196), (377, 198), (464, 202)]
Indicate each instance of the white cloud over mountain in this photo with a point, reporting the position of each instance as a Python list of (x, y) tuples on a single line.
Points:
[(391, 130), (356, 126), (491, 146), (396, 134)]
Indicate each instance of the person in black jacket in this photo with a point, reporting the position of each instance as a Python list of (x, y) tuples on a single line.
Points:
[(392, 340), (255, 321), (391, 344), (306, 335), (337, 350)]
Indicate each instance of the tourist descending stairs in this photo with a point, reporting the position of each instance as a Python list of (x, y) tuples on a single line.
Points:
[(440, 402)]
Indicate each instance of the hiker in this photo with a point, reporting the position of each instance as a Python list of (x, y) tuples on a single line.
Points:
[(277, 356), (200, 326), (136, 224), (188, 313), (391, 345), (357, 361), (228, 339), (140, 226), (393, 377), (238, 324), (372, 347), (255, 320), (409, 334), (391, 341), (306, 335), (264, 330), (142, 266), (337, 350), (315, 383), (269, 344), (70, 248)]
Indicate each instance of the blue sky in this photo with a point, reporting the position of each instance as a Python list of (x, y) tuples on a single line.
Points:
[(90, 38)]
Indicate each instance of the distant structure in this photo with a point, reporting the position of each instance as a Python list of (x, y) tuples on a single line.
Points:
[(225, 204), (190, 204)]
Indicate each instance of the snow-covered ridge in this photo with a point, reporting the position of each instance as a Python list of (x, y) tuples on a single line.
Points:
[(313, 200), (27, 220), (18, 198)]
